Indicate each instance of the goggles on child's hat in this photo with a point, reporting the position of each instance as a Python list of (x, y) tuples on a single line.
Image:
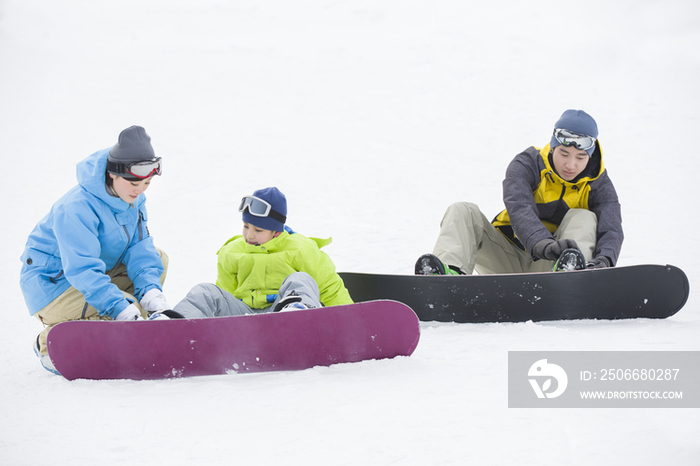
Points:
[(569, 138), (260, 208), (140, 170)]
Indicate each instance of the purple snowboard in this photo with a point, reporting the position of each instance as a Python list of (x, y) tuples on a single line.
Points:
[(284, 341)]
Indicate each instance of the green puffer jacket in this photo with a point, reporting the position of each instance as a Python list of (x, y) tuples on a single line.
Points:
[(254, 274)]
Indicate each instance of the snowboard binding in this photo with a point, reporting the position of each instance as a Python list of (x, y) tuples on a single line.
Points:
[(570, 259), (430, 264)]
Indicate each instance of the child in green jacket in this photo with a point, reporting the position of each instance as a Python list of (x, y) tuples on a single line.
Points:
[(267, 268)]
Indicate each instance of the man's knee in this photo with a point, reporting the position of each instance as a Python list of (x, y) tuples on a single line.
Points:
[(463, 208), (580, 217), (457, 213)]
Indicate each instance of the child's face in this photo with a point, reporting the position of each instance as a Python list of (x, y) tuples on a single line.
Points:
[(257, 236)]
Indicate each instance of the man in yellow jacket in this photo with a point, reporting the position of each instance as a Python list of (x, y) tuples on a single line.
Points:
[(558, 197), (267, 268)]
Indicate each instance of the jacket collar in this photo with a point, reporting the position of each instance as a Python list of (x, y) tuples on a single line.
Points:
[(593, 170)]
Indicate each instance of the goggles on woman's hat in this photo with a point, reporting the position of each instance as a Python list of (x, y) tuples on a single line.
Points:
[(141, 170)]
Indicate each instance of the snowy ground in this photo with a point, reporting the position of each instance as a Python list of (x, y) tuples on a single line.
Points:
[(372, 117)]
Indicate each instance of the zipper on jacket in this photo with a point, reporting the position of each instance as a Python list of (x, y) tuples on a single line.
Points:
[(550, 175), (140, 226), (128, 240), (54, 279)]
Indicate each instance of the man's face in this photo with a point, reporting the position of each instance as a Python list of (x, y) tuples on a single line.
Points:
[(569, 162)]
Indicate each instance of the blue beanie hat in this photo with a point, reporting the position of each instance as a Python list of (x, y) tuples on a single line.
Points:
[(279, 204), (579, 122)]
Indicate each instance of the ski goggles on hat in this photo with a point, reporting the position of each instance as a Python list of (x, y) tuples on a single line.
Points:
[(260, 208), (140, 170), (569, 138)]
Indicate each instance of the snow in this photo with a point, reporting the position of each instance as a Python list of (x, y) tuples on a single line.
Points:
[(372, 117)]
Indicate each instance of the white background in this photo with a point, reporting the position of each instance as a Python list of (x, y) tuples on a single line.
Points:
[(372, 117)]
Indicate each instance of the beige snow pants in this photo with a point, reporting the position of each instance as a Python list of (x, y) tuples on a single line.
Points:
[(468, 240), (71, 305)]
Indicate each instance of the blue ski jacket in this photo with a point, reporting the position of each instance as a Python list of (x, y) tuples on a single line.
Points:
[(87, 233)]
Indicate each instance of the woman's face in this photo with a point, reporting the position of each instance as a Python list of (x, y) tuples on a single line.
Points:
[(127, 190)]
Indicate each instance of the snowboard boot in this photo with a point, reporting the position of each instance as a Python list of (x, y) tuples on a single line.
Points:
[(429, 264), (45, 361), (295, 306), (286, 301), (165, 315), (570, 259)]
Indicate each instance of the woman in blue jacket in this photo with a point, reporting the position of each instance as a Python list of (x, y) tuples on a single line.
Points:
[(91, 257)]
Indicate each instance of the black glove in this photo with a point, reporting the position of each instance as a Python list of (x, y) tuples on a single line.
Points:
[(550, 249), (599, 262)]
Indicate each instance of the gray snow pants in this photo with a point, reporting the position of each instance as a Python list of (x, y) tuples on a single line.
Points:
[(469, 241), (208, 300)]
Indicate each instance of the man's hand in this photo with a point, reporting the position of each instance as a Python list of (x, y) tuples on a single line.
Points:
[(550, 249), (599, 262)]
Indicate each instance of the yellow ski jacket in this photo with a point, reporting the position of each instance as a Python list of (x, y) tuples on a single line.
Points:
[(537, 198)]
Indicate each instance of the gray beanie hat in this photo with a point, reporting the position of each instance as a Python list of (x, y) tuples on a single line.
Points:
[(133, 145)]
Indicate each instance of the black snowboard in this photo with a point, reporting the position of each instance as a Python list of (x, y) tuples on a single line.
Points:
[(651, 291)]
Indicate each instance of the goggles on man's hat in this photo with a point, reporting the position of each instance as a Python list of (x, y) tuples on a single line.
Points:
[(571, 139)]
